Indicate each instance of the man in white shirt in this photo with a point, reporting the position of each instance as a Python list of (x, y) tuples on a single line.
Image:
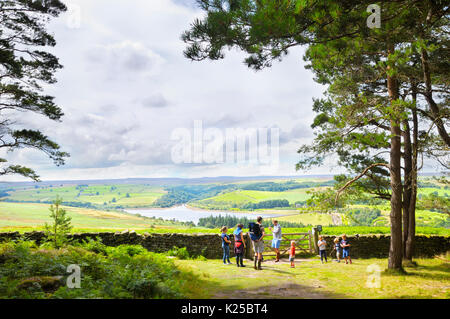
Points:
[(276, 241)]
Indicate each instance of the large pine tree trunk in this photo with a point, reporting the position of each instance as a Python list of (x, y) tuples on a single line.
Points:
[(407, 188), (409, 249), (396, 247)]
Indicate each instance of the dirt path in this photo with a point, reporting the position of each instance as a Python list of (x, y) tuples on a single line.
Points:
[(282, 290)]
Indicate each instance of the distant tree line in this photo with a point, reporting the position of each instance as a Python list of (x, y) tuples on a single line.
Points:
[(281, 187), (185, 193), (232, 221), (434, 203), (427, 185), (274, 203), (363, 217), (68, 203)]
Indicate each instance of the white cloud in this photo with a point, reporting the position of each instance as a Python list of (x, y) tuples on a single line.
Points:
[(124, 61), (126, 86)]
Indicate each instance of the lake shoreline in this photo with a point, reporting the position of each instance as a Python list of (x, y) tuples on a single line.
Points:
[(186, 213), (266, 212)]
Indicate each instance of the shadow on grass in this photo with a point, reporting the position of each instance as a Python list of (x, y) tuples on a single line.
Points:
[(442, 267), (413, 297), (281, 291), (277, 270), (434, 272)]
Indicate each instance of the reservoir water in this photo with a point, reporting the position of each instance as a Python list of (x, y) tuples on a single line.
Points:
[(186, 214)]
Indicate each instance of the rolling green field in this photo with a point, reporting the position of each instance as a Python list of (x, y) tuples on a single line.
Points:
[(98, 206), (112, 195), (308, 219), (423, 217), (243, 196), (27, 217)]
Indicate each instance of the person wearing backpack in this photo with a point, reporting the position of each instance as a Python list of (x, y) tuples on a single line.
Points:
[(257, 234), (239, 245)]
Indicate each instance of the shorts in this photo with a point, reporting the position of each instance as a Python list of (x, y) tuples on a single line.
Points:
[(258, 246), (291, 258), (345, 253), (276, 243)]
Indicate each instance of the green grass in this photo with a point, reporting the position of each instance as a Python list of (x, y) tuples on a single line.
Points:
[(244, 196), (429, 217), (132, 272), (308, 219), (428, 191), (311, 279)]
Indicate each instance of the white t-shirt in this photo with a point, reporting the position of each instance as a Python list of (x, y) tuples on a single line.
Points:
[(276, 232), (323, 247)]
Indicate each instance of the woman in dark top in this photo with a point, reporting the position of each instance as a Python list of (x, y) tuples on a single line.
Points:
[(239, 245)]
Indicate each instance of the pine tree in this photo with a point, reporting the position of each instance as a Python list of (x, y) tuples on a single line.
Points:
[(61, 224), (25, 69), (339, 40)]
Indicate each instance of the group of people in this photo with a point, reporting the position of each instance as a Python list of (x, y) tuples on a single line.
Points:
[(239, 245), (257, 233), (341, 247)]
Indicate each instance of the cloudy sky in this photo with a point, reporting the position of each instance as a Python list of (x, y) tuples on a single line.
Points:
[(126, 87)]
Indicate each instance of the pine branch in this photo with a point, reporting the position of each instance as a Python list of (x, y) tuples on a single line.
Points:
[(357, 178)]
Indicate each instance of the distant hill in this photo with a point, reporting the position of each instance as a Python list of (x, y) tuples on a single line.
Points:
[(163, 181), (169, 181)]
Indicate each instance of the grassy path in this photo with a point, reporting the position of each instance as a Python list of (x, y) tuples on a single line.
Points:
[(310, 279)]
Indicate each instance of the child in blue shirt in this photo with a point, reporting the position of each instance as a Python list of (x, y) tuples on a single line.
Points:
[(345, 244), (225, 245), (337, 248)]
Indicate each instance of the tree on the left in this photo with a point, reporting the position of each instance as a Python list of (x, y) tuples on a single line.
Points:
[(25, 68)]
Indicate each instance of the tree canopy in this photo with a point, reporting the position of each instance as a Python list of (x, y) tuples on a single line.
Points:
[(370, 117), (25, 68)]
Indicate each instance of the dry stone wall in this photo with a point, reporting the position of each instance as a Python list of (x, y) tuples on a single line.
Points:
[(210, 245)]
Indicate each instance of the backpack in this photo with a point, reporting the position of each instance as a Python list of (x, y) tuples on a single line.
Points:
[(254, 230)]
